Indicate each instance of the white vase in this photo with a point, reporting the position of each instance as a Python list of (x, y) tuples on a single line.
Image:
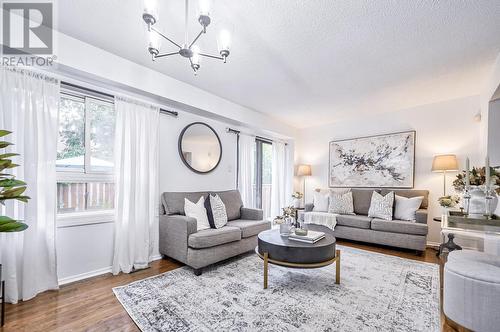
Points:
[(296, 203), (478, 202)]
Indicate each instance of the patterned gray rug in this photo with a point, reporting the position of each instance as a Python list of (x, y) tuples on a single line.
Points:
[(377, 293)]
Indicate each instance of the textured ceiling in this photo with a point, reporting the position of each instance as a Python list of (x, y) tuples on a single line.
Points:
[(312, 62)]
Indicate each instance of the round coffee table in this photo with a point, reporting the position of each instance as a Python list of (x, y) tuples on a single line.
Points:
[(279, 250)]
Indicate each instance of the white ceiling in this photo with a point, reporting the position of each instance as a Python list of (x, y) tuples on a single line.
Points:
[(308, 63)]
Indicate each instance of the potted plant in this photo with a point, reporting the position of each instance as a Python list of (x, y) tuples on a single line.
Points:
[(477, 180), (10, 188)]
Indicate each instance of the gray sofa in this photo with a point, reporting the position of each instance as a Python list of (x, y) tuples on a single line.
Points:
[(395, 233), (180, 240)]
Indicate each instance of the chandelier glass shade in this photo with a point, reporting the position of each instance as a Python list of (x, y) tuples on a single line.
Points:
[(188, 49)]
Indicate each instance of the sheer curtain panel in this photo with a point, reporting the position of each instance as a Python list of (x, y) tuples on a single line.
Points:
[(279, 198), (246, 181), (136, 181), (29, 106)]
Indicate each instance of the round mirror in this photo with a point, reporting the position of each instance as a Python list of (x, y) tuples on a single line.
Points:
[(200, 148)]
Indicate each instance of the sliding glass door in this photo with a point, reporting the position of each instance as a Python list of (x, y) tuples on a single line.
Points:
[(263, 175)]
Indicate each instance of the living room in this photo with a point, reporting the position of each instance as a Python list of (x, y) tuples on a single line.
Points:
[(249, 165)]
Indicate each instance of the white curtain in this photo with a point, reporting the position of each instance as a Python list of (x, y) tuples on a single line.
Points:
[(136, 183), (246, 177), (29, 106), (281, 178)]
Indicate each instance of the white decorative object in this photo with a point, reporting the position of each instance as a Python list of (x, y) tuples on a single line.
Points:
[(218, 211), (375, 161), (136, 167), (478, 202), (381, 206), (198, 212), (296, 203), (341, 203), (406, 208), (29, 106), (320, 201)]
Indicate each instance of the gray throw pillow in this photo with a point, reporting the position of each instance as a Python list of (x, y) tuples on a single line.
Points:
[(381, 206)]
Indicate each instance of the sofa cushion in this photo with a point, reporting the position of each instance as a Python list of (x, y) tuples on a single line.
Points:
[(213, 237), (354, 221), (173, 202), (250, 227), (232, 201), (362, 199), (399, 226), (409, 193)]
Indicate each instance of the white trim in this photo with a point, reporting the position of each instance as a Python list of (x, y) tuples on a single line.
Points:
[(431, 244), (95, 273), (84, 218), (81, 177)]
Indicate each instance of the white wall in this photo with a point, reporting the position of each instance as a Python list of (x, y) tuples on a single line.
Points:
[(445, 127), (494, 132)]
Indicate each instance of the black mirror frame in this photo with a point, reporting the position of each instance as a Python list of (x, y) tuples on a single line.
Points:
[(179, 146)]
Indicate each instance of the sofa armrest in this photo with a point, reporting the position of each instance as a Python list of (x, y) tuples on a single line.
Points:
[(174, 234), (308, 207), (421, 216), (251, 214)]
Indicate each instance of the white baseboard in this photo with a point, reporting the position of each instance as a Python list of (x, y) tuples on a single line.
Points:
[(434, 245), (95, 273)]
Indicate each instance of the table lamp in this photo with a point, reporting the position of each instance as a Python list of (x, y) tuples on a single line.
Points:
[(445, 163)]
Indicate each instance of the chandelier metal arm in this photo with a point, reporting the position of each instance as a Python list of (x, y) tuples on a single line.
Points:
[(161, 34), (198, 36), (212, 56), (166, 54)]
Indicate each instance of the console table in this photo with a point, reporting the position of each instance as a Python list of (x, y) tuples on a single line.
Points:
[(477, 227)]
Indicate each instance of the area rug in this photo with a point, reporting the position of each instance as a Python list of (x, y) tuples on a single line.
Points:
[(377, 293)]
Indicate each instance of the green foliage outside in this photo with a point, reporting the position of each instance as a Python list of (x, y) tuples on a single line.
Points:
[(10, 187)]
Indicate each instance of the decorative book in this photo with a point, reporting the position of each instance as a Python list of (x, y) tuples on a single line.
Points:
[(311, 237)]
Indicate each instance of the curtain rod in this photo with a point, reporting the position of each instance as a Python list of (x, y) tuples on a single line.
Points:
[(237, 132), (107, 95)]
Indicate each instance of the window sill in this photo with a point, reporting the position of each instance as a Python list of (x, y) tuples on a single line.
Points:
[(85, 218)]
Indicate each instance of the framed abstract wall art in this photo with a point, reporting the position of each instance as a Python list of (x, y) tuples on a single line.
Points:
[(382, 161)]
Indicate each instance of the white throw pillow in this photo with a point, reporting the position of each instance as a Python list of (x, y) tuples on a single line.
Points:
[(381, 206), (341, 203), (218, 211), (198, 212), (406, 208), (320, 201)]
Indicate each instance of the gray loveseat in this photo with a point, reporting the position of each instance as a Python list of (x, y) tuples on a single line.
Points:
[(395, 233), (180, 240)]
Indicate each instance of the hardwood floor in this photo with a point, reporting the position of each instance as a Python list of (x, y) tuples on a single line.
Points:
[(90, 305)]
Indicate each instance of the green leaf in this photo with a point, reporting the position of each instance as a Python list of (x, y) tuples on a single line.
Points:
[(12, 165), (23, 198), (12, 193), (9, 183), (13, 226), (4, 144), (5, 219), (8, 155), (5, 162), (4, 132)]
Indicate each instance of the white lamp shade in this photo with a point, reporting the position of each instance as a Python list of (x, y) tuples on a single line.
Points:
[(444, 163), (304, 170)]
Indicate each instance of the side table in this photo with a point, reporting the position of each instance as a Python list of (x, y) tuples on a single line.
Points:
[(450, 245)]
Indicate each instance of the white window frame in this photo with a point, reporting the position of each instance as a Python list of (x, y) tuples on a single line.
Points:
[(84, 175)]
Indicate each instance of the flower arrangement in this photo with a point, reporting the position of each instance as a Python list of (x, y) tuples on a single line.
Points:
[(289, 211), (449, 201), (477, 177), (297, 195)]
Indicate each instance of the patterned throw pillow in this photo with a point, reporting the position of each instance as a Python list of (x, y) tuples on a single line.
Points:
[(381, 206), (341, 203), (218, 211)]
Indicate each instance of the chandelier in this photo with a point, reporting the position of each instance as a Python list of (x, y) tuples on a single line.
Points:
[(187, 49)]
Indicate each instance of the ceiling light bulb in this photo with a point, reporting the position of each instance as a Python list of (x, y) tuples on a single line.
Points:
[(154, 43), (204, 8), (224, 43), (195, 58), (150, 15)]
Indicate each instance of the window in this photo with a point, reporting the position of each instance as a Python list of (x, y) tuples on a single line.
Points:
[(85, 154), (263, 175)]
